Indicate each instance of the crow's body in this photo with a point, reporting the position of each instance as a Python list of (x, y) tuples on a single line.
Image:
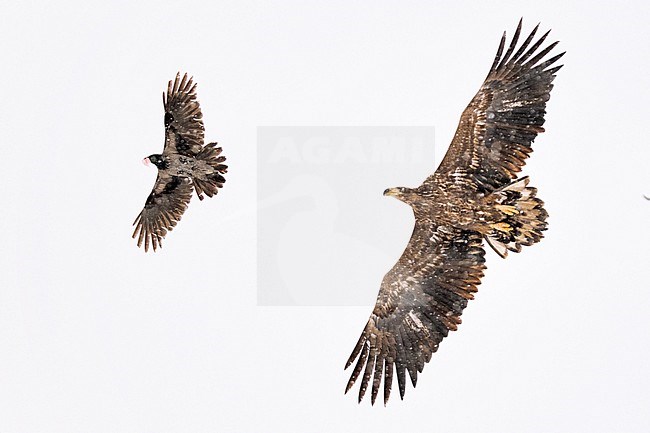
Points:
[(184, 165)]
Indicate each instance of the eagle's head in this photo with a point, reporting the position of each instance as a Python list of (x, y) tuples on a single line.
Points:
[(156, 160), (401, 193)]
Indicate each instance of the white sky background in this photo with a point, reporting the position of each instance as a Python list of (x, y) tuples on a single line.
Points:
[(96, 336)]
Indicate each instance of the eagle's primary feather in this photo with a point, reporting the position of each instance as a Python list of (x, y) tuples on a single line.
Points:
[(473, 195), (185, 164)]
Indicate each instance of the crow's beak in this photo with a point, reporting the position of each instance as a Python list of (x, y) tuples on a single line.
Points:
[(146, 162)]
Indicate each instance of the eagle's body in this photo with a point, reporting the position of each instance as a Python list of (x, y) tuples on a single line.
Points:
[(186, 164), (449, 203), (474, 195)]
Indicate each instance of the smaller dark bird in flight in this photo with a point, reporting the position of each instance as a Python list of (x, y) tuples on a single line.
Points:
[(185, 164)]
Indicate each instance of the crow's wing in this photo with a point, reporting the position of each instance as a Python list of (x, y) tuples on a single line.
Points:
[(162, 210), (184, 129)]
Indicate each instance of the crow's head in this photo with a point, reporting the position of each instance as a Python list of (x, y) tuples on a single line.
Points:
[(156, 160)]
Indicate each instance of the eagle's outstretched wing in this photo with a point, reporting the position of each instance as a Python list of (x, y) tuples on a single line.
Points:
[(162, 210), (420, 300), (184, 129), (497, 128)]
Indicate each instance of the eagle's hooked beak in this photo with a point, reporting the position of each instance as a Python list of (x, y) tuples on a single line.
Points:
[(392, 192), (146, 162)]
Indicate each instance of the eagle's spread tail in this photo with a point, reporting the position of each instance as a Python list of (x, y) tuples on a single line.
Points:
[(211, 182), (523, 217)]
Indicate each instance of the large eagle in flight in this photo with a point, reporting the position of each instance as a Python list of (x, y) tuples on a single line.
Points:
[(473, 195), (185, 164)]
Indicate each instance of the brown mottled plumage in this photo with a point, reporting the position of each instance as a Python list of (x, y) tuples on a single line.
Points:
[(185, 164), (473, 195)]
